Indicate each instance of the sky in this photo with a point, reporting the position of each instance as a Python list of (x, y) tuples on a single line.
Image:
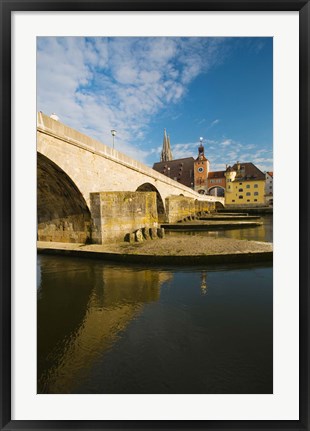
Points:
[(219, 89)]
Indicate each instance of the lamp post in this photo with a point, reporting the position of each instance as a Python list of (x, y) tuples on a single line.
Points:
[(113, 134)]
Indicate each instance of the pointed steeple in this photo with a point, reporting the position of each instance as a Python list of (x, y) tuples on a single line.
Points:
[(166, 154)]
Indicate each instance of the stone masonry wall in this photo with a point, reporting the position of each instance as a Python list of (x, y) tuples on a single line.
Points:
[(116, 214), (181, 207)]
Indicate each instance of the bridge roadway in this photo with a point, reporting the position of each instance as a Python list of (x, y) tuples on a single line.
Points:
[(79, 178)]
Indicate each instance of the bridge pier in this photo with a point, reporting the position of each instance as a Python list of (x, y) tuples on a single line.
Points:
[(115, 214), (179, 208)]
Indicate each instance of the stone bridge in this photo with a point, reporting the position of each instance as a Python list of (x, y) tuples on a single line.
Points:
[(89, 192)]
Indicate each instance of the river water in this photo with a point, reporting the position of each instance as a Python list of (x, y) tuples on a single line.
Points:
[(131, 329)]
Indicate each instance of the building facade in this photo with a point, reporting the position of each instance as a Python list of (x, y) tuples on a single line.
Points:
[(216, 183), (269, 189), (245, 185), (181, 170), (242, 184)]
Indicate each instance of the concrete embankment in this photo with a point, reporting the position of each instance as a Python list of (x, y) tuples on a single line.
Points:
[(204, 225), (249, 210), (177, 251), (230, 217)]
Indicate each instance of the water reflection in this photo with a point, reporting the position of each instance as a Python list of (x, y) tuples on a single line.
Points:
[(203, 286), (82, 309), (105, 328)]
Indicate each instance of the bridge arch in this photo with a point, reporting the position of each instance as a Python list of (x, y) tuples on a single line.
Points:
[(219, 205), (218, 191), (62, 213), (148, 187)]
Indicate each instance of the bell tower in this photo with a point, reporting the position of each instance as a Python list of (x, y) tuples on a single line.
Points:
[(201, 170)]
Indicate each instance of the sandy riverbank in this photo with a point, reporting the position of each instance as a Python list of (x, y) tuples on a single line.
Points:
[(183, 249)]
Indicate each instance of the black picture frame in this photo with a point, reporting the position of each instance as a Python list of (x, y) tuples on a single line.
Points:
[(7, 7)]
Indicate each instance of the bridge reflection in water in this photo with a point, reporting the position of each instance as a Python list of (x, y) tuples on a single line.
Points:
[(81, 313), (115, 329)]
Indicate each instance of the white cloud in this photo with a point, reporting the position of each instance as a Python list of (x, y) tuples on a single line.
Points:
[(181, 151), (203, 120), (214, 122), (99, 84), (219, 155), (226, 142)]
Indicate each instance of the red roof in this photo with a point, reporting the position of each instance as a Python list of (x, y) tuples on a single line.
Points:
[(216, 174), (248, 172)]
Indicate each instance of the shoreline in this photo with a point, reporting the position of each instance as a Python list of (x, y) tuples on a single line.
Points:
[(169, 250)]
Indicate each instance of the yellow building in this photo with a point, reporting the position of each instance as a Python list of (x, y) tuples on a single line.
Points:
[(245, 185)]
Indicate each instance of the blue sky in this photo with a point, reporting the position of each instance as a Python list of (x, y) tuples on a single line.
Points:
[(216, 88)]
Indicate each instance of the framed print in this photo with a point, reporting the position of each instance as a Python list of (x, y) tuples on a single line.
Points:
[(155, 191)]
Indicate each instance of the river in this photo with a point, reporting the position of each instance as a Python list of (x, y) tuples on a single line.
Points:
[(133, 329)]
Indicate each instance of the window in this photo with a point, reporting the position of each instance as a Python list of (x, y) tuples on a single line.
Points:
[(255, 200), (240, 184), (228, 187), (248, 200), (248, 194), (240, 197), (240, 190), (255, 193), (255, 186), (233, 200), (248, 186)]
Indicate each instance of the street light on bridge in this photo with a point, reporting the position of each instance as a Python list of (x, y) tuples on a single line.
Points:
[(113, 134)]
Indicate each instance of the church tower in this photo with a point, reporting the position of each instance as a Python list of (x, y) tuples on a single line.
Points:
[(166, 154), (201, 170)]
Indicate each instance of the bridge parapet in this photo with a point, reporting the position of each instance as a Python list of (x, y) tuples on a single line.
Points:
[(59, 132)]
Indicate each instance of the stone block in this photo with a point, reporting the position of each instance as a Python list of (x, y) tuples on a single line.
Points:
[(129, 237), (139, 235), (161, 232), (153, 232), (146, 233)]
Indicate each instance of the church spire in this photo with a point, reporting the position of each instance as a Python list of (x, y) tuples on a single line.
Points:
[(166, 154)]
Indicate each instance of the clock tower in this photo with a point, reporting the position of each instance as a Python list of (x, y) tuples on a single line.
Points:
[(201, 170)]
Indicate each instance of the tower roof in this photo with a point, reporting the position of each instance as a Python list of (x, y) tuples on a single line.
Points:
[(201, 152), (166, 154)]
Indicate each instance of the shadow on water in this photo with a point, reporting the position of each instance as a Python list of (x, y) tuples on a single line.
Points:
[(112, 328)]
